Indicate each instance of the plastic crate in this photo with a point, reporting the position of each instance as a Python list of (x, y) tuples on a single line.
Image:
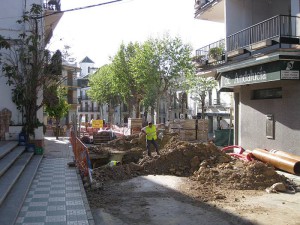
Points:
[(39, 151)]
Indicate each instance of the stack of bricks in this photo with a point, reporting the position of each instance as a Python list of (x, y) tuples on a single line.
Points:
[(191, 129), (135, 125), (202, 132), (5, 117)]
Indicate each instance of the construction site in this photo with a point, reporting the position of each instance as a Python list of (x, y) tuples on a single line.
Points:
[(192, 181)]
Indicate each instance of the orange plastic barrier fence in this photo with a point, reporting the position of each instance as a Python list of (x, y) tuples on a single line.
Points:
[(82, 158)]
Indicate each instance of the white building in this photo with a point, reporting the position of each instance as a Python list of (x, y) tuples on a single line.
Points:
[(10, 12), (87, 109)]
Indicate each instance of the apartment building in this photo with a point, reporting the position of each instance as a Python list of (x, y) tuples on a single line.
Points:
[(258, 61), (87, 109)]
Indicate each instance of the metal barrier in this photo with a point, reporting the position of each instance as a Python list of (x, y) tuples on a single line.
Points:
[(82, 158)]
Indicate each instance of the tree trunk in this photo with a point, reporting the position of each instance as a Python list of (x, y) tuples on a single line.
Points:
[(57, 127), (137, 111), (157, 110)]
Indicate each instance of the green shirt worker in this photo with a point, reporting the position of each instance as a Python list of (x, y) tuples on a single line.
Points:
[(151, 137)]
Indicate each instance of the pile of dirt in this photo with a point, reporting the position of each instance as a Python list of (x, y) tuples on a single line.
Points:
[(238, 174), (204, 163)]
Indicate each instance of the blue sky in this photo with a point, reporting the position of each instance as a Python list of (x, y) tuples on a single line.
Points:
[(98, 32)]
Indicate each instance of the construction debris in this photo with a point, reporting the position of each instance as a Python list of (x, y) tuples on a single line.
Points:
[(203, 163)]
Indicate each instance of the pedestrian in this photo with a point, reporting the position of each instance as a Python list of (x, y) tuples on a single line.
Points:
[(151, 137), (223, 124)]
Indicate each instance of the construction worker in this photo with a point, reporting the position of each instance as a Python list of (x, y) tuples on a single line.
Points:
[(151, 137), (114, 163)]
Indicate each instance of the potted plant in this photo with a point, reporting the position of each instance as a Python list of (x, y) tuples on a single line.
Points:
[(216, 53)]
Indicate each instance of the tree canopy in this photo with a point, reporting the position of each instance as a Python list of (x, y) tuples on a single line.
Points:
[(142, 73)]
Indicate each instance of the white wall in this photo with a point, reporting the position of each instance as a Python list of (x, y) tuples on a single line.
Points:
[(85, 68), (240, 14)]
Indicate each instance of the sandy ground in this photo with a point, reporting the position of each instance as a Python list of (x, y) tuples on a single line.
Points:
[(187, 184), (173, 200)]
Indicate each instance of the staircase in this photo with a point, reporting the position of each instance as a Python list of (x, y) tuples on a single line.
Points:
[(17, 170)]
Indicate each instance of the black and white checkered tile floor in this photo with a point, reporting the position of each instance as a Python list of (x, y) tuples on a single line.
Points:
[(55, 196)]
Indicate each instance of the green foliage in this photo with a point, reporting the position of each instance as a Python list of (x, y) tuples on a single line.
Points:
[(60, 109), (143, 73), (215, 52), (103, 88), (54, 67), (199, 87), (4, 43), (127, 80)]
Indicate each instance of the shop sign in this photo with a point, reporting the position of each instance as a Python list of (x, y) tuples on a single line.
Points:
[(279, 70), (290, 72), (97, 123)]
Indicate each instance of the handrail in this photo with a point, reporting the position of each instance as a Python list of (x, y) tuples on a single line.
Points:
[(82, 158), (274, 27)]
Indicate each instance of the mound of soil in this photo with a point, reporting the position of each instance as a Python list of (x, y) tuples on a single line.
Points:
[(204, 163)]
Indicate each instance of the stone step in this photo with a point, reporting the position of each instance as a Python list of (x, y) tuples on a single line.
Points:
[(12, 204), (6, 148), (11, 176), (9, 158)]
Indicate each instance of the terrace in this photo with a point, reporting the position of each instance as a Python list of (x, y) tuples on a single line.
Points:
[(278, 32)]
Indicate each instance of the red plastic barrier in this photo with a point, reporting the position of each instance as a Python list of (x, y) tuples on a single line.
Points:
[(82, 158)]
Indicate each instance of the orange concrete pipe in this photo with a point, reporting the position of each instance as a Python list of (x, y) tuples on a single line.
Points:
[(285, 154), (280, 162)]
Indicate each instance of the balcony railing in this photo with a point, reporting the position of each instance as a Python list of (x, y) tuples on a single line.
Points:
[(199, 4), (275, 27), (52, 5), (211, 53), (85, 109)]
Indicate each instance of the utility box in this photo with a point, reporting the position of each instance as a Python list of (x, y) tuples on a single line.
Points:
[(224, 137)]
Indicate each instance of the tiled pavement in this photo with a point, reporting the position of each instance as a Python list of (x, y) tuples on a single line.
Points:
[(56, 195)]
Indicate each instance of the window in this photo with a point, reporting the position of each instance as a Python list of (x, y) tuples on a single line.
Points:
[(269, 93)]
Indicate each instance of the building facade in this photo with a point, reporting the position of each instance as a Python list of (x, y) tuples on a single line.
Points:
[(258, 61), (10, 12), (87, 109)]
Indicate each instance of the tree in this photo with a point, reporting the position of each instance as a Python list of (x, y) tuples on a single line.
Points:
[(103, 89), (145, 73), (4, 43), (199, 88), (126, 79), (24, 65), (60, 108), (172, 59)]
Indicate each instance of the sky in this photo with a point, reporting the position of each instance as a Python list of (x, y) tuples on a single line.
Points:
[(99, 31)]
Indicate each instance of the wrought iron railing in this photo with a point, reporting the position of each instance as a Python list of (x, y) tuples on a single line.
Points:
[(200, 4), (212, 51), (272, 28), (277, 26), (52, 5)]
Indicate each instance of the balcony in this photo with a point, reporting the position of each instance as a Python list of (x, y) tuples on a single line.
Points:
[(212, 10), (278, 32), (88, 109), (52, 15), (211, 55), (281, 29)]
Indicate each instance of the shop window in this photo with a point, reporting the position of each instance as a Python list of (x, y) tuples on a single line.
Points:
[(270, 93)]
